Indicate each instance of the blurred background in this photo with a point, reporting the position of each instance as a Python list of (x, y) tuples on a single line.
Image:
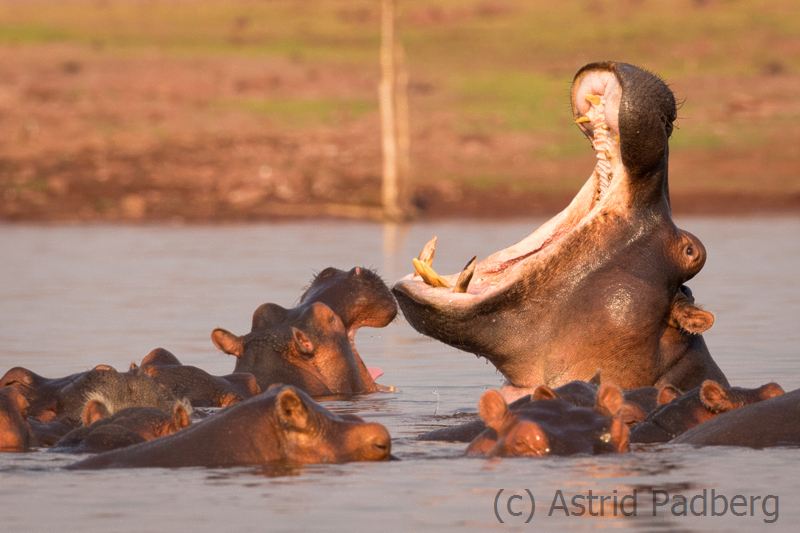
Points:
[(139, 110)]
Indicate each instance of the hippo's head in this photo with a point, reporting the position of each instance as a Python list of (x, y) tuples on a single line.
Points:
[(114, 390), (680, 414), (552, 426), (311, 352), (359, 296), (600, 285), (309, 433), (15, 432)]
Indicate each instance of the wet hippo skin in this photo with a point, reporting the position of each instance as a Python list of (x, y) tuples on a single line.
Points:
[(773, 422), (696, 407), (103, 432), (280, 426), (601, 285), (53, 399), (199, 387), (551, 426), (312, 345)]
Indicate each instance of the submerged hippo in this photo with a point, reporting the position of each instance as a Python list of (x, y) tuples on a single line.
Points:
[(53, 399), (637, 403), (15, 432), (600, 285), (551, 426), (196, 385), (103, 431), (312, 345), (696, 407), (773, 422), (280, 426)]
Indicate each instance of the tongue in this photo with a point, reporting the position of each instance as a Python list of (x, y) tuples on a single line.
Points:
[(375, 371)]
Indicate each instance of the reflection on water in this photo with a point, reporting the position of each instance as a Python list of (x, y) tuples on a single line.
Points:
[(74, 297)]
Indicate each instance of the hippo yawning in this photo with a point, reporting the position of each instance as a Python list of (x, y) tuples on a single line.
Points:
[(600, 285)]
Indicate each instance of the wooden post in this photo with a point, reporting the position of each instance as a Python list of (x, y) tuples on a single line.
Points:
[(386, 92)]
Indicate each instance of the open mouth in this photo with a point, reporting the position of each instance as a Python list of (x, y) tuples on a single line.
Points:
[(595, 101)]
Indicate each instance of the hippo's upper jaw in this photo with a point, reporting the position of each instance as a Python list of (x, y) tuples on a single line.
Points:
[(594, 286)]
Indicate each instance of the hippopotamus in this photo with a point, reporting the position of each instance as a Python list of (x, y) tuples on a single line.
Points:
[(551, 426), (15, 432), (282, 425), (53, 399), (696, 407), (637, 403), (196, 385), (103, 431), (773, 422), (601, 284), (312, 345)]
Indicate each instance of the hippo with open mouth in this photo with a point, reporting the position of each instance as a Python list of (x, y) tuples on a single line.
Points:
[(601, 284)]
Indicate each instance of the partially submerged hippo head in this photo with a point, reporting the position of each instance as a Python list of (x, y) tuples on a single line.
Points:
[(680, 414), (551, 426), (280, 426), (15, 432), (103, 431), (52, 399), (196, 385), (311, 352), (600, 285)]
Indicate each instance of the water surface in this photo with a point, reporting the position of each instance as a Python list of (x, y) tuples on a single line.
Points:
[(74, 297)]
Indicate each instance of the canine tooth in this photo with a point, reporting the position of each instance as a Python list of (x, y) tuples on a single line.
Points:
[(581, 120), (466, 276), (428, 275), (593, 99), (426, 255), (606, 127)]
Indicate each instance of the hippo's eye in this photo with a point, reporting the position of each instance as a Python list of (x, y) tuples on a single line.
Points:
[(690, 250)]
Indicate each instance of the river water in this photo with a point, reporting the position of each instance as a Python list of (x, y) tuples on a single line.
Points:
[(77, 296)]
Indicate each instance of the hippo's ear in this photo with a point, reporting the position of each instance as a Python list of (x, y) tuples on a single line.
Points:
[(668, 393), (620, 434), (228, 342), (493, 409), (595, 379), (228, 398), (609, 400), (689, 317), (770, 390), (302, 342), (181, 417), (543, 392), (95, 410), (715, 398), (292, 411)]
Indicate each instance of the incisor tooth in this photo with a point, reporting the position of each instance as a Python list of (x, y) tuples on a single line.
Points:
[(593, 99), (581, 120), (426, 255), (428, 275), (616, 138), (466, 276)]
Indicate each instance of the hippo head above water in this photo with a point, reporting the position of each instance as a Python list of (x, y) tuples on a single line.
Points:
[(600, 285), (312, 345)]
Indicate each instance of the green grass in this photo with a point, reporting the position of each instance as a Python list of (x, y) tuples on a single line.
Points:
[(302, 112)]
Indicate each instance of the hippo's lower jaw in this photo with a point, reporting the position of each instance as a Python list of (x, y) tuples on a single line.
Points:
[(597, 285)]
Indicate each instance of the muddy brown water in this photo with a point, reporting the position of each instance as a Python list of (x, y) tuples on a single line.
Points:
[(74, 297)]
